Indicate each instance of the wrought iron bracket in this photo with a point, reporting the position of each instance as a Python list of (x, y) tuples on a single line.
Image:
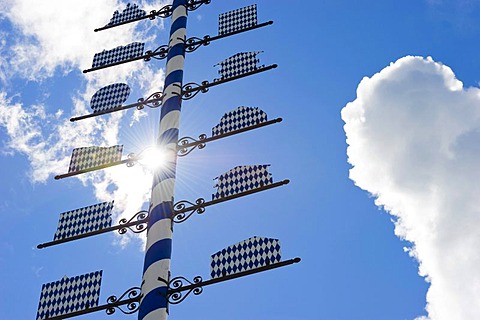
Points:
[(179, 287), (188, 144), (131, 160), (167, 11), (164, 12), (153, 101), (140, 217), (195, 4), (158, 54), (131, 299), (182, 215), (103, 166), (177, 292), (136, 224), (191, 89), (185, 209), (194, 43)]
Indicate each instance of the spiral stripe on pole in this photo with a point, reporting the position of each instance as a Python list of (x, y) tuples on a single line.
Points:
[(154, 304)]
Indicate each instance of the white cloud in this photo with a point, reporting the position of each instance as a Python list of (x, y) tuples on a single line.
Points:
[(24, 128), (413, 137), (50, 39), (49, 33), (59, 34)]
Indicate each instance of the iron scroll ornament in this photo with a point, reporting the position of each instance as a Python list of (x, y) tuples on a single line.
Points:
[(158, 54), (132, 306), (167, 11), (197, 208), (141, 217), (188, 144), (153, 101), (195, 4), (132, 159), (177, 283), (164, 12), (191, 89), (194, 43)]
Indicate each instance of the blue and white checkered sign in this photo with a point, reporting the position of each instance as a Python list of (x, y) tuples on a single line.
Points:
[(69, 295), (241, 179), (242, 117), (109, 97), (238, 64), (122, 53), (131, 12), (84, 220), (237, 20), (89, 157), (249, 254)]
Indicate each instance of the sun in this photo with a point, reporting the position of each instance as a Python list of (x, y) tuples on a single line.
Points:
[(154, 157)]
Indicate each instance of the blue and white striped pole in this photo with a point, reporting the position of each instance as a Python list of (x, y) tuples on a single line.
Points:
[(154, 304)]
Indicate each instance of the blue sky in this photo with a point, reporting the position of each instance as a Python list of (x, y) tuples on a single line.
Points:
[(354, 262)]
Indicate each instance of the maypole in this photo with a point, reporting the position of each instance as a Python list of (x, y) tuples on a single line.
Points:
[(74, 296), (154, 304)]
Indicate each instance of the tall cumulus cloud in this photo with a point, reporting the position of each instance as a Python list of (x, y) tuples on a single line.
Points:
[(413, 136)]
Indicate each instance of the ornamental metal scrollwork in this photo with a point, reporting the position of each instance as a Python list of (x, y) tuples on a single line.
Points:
[(191, 89), (131, 160), (188, 144), (153, 101), (194, 43), (193, 5), (164, 12), (158, 54), (141, 217), (181, 205), (179, 282), (132, 307)]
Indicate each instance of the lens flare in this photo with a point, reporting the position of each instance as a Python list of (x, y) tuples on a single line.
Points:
[(154, 157)]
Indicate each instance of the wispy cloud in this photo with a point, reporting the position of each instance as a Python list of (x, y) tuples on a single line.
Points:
[(412, 136)]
